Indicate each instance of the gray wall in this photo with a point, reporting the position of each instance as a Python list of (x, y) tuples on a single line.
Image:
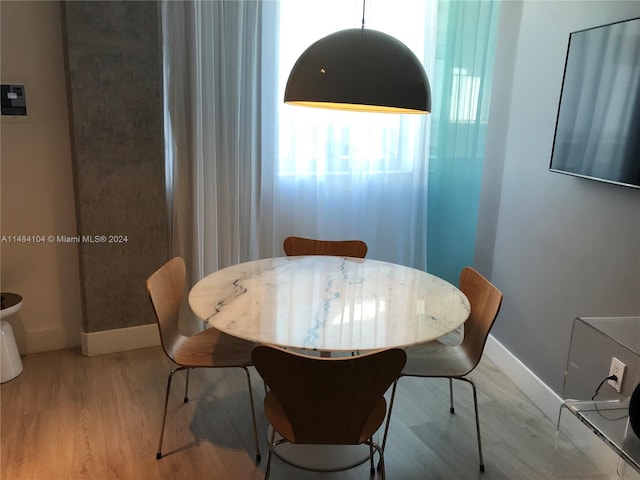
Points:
[(115, 82), (557, 246)]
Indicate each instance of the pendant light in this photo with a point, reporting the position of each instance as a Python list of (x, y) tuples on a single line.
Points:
[(362, 70)]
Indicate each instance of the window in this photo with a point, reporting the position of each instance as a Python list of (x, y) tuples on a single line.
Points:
[(465, 90)]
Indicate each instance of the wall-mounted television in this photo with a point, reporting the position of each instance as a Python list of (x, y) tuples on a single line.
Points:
[(597, 132)]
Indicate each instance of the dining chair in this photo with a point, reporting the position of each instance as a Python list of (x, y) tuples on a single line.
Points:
[(210, 348), (326, 400), (294, 246), (455, 362)]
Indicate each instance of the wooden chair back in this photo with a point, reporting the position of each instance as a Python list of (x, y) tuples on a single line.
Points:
[(485, 300), (294, 246), (329, 400), (166, 289)]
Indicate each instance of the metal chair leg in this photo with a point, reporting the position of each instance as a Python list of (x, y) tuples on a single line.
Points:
[(475, 405), (186, 387), (386, 427), (272, 445), (380, 451), (253, 416), (451, 409), (164, 415), (372, 470)]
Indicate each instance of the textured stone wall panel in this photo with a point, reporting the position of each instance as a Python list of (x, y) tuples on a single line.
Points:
[(115, 82)]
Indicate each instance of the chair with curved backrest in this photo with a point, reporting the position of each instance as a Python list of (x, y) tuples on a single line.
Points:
[(326, 400), (294, 246), (438, 360), (207, 349)]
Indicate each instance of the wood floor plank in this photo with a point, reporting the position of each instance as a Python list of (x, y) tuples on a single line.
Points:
[(98, 418)]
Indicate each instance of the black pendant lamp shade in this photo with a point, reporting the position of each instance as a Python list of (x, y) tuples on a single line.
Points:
[(359, 69)]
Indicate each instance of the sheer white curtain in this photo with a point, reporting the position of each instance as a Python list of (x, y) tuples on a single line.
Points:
[(212, 57), (339, 175), (244, 170)]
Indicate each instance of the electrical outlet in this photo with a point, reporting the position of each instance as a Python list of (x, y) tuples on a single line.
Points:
[(617, 369)]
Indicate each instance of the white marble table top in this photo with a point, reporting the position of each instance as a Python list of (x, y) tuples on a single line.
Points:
[(329, 303)]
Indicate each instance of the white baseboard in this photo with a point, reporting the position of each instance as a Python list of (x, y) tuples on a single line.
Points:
[(48, 339), (535, 389), (549, 403), (119, 339)]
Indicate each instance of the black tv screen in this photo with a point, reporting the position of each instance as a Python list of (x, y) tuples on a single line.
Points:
[(598, 125)]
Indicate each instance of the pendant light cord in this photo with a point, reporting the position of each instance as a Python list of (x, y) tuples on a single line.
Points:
[(363, 4)]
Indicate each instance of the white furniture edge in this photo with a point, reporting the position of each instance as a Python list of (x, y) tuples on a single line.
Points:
[(119, 339), (11, 310), (549, 403)]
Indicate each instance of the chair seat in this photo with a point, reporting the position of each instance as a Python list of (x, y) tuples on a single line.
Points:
[(278, 419), (198, 350), (436, 359)]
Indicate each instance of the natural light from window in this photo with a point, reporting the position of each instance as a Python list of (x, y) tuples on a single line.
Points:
[(465, 90)]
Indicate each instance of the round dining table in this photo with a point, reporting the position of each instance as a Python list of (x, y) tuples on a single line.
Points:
[(328, 305)]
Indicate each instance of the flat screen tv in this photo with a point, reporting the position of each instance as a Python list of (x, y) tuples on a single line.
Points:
[(597, 132)]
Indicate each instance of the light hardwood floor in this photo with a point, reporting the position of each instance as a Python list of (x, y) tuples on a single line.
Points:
[(74, 417)]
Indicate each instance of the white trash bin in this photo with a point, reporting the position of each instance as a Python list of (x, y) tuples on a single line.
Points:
[(10, 361)]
